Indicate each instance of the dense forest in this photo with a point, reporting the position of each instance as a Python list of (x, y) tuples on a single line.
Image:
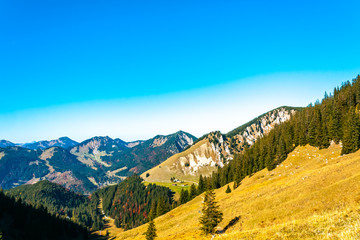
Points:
[(19, 220), (130, 202), (61, 202)]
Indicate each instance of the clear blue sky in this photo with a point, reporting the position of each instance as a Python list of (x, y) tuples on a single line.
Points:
[(133, 69)]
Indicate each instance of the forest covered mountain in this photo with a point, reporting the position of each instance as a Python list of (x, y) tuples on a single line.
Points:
[(216, 149), (88, 165), (61, 202), (19, 220)]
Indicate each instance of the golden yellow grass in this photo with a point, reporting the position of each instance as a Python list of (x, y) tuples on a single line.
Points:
[(337, 224), (164, 171), (313, 194)]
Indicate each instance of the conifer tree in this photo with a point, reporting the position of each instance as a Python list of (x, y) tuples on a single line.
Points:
[(117, 222), (184, 196), (228, 190), (235, 185), (161, 208), (152, 214), (193, 191), (202, 185), (151, 231), (211, 214)]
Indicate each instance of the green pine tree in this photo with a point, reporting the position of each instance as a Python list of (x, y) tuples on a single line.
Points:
[(202, 185), (211, 215), (117, 222), (152, 214), (193, 191), (161, 208), (151, 231), (184, 196), (235, 185), (228, 190)]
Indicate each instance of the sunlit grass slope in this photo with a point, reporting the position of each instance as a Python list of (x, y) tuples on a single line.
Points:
[(170, 168), (312, 194)]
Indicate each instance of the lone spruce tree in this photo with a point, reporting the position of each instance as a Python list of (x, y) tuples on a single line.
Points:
[(228, 190), (151, 231), (211, 215)]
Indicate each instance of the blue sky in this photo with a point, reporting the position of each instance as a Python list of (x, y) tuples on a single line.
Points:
[(134, 69)]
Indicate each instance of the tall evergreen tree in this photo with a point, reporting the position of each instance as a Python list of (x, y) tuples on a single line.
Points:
[(211, 214), (202, 185), (117, 222), (152, 214), (193, 191), (184, 196), (228, 190), (161, 208), (151, 231)]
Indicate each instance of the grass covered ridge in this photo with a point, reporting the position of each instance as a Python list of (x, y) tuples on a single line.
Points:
[(310, 190)]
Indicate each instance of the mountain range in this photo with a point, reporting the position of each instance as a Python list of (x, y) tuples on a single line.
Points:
[(102, 161), (88, 165), (63, 142)]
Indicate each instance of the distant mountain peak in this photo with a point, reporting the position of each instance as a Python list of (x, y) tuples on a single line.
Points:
[(64, 142), (5, 143)]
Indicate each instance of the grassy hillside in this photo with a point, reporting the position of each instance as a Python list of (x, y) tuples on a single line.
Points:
[(312, 193), (167, 169)]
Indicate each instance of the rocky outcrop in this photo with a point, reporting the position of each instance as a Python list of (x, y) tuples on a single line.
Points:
[(215, 149)]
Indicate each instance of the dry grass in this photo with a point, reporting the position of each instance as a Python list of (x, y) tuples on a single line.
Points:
[(338, 224), (314, 194), (170, 167)]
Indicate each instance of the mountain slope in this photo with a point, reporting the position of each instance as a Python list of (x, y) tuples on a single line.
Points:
[(22, 221), (59, 201), (309, 183), (20, 166), (215, 149)]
